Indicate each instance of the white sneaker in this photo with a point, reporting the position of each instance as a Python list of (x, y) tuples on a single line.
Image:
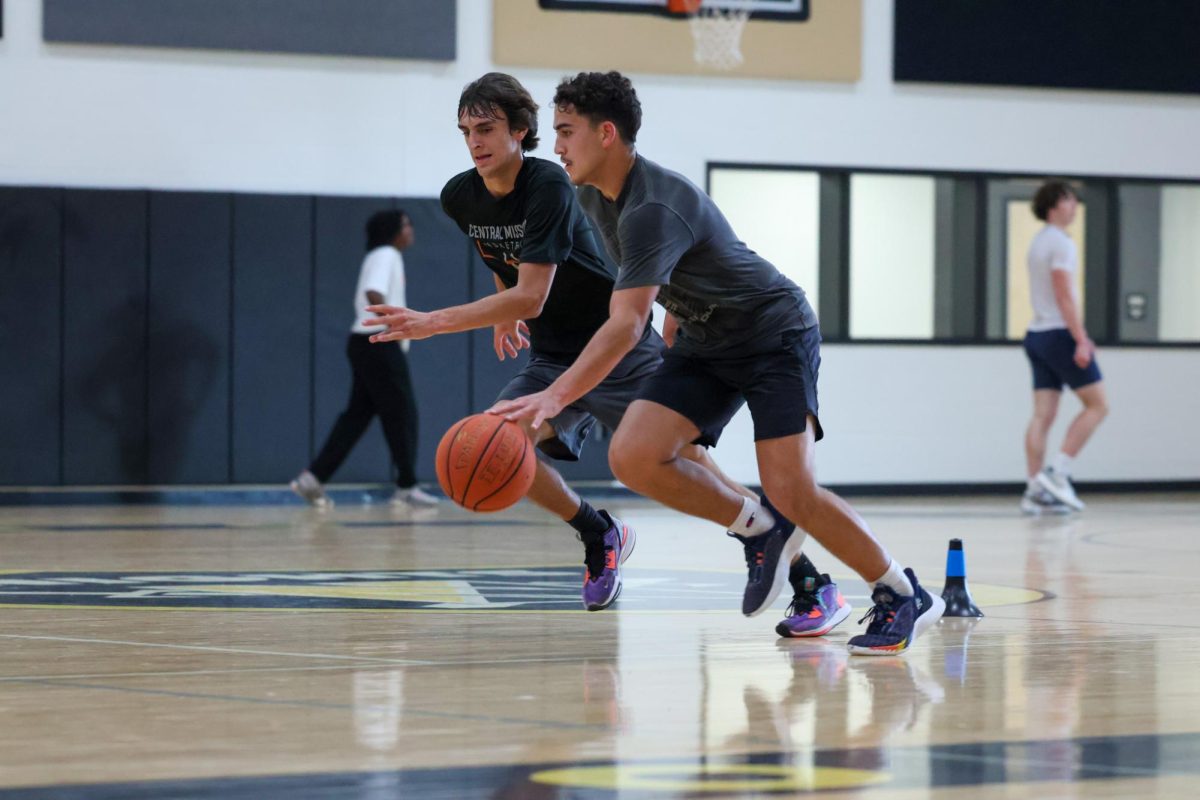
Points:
[(1058, 484), (309, 488), (1038, 502), (414, 496)]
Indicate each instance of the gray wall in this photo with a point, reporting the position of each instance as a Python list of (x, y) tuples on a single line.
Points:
[(422, 29), (1140, 251), (196, 338)]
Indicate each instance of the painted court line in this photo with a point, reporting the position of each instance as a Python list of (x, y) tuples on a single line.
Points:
[(230, 698), (213, 649), (173, 673)]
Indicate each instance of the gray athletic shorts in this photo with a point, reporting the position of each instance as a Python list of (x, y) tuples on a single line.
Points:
[(606, 403)]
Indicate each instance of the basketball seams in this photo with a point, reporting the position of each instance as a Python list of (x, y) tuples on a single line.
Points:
[(525, 448), (449, 452), (479, 459)]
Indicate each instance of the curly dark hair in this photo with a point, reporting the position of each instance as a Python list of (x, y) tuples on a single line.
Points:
[(603, 97), (497, 93), (383, 227), (1049, 196)]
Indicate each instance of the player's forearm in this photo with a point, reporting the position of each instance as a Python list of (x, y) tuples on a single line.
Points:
[(608, 346), (506, 306), (1070, 315)]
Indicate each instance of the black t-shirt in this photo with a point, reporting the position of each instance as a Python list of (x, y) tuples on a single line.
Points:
[(539, 222)]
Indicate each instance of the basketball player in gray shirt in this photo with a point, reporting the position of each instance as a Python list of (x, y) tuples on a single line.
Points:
[(742, 333)]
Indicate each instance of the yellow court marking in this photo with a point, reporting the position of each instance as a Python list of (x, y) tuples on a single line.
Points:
[(989, 595), (456, 592), (710, 777)]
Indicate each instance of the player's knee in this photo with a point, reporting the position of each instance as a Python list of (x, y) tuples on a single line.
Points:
[(625, 465), (624, 457), (1045, 414), (1043, 419), (632, 457)]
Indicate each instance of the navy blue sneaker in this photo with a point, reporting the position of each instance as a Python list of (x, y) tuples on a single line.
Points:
[(768, 560), (896, 621)]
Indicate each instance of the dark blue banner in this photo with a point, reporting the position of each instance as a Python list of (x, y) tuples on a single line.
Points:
[(1146, 46)]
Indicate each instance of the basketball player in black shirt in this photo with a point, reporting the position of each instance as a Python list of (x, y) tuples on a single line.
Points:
[(553, 288)]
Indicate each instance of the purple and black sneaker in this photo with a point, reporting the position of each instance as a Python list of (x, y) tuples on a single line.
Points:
[(603, 557), (817, 608)]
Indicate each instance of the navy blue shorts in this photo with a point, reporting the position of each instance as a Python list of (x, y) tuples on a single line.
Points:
[(1052, 356), (779, 385)]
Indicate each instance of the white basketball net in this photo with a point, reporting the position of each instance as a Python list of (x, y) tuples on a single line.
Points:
[(717, 33)]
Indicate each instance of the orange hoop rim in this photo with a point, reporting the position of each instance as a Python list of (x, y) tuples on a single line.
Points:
[(684, 6)]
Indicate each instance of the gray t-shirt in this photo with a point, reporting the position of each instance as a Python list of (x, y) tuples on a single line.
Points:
[(664, 231)]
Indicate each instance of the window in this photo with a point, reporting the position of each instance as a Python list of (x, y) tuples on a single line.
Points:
[(776, 213), (1159, 263), (891, 256), (942, 256), (1179, 265)]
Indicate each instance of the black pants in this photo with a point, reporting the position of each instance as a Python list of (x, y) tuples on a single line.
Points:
[(381, 386)]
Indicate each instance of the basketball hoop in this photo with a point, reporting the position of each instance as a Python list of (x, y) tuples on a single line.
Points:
[(716, 29)]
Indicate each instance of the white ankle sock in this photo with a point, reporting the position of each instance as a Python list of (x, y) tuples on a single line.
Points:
[(896, 580), (1032, 484), (753, 519), (1062, 463)]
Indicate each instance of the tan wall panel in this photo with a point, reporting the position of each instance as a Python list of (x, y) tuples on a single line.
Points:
[(827, 47)]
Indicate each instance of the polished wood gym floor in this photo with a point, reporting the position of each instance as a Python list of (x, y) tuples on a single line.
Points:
[(280, 652)]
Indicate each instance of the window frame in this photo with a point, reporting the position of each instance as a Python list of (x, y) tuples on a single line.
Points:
[(969, 230)]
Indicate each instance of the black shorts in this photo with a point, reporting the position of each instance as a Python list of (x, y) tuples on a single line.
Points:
[(1052, 357), (780, 386), (606, 403)]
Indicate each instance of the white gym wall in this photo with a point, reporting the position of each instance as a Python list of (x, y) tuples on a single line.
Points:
[(88, 116)]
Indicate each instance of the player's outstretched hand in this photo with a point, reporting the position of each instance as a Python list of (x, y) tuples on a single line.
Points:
[(531, 410), (509, 337), (401, 323)]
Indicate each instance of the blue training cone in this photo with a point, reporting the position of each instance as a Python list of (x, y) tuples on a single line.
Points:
[(955, 592)]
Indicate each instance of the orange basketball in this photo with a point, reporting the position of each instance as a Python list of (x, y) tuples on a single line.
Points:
[(485, 463)]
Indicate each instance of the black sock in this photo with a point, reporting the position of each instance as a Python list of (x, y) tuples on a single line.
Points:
[(801, 572), (588, 521)]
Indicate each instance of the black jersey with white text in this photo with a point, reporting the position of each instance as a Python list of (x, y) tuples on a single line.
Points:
[(539, 222)]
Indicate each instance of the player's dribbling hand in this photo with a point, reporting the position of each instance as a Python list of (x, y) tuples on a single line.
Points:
[(509, 337), (531, 410), (401, 323)]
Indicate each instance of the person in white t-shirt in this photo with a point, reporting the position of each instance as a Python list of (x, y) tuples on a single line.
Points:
[(382, 385), (1060, 353)]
